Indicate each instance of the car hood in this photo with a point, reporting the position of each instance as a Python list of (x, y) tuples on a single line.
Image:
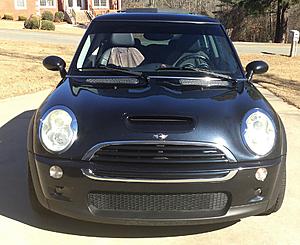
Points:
[(124, 114)]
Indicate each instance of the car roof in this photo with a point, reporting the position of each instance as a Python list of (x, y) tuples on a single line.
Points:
[(159, 16)]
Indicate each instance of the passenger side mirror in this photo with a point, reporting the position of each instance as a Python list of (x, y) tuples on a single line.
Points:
[(55, 63), (256, 67)]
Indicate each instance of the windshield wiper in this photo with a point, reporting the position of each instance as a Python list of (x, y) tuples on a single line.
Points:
[(202, 71), (117, 70)]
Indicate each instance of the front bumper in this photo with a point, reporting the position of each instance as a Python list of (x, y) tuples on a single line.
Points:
[(69, 195)]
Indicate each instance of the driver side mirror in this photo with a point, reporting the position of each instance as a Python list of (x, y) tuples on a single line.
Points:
[(55, 63), (256, 67)]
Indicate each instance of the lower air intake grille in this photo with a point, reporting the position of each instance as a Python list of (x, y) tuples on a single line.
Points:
[(158, 202)]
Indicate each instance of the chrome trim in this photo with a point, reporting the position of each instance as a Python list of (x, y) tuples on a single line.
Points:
[(90, 153), (90, 174), (114, 81), (243, 130), (74, 127), (204, 82)]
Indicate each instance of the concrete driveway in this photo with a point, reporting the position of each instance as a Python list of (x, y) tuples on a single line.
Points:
[(19, 224)]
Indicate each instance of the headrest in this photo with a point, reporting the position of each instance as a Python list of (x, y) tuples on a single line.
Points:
[(122, 40), (174, 43), (137, 42), (196, 47)]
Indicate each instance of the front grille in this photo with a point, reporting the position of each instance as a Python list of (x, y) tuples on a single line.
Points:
[(106, 201), (159, 153)]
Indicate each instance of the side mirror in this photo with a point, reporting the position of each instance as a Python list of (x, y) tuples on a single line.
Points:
[(256, 67), (55, 63)]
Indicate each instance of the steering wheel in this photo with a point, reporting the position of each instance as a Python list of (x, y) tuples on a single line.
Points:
[(200, 60)]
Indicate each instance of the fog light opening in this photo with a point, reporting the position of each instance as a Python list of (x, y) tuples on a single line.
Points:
[(257, 192), (59, 190), (56, 172), (261, 174)]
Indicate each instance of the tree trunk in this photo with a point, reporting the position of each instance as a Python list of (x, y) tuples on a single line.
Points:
[(281, 21), (285, 22), (278, 35)]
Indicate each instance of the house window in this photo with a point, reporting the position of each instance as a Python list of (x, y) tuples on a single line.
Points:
[(47, 3), (20, 4), (100, 3)]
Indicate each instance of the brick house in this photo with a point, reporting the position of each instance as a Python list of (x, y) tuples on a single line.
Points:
[(36, 7)]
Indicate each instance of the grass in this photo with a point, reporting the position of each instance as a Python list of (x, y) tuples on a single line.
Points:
[(283, 77), (22, 72), (21, 69)]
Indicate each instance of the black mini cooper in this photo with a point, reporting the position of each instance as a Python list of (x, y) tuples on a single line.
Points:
[(156, 123)]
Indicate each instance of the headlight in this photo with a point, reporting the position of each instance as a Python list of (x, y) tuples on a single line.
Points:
[(58, 129), (258, 132)]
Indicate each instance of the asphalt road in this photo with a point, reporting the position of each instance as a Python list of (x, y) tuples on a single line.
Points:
[(19, 224), (56, 38), (267, 48), (42, 37)]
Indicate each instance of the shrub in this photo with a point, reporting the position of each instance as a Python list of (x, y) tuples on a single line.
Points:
[(59, 16), (32, 23), (47, 25), (47, 15), (8, 17), (22, 18)]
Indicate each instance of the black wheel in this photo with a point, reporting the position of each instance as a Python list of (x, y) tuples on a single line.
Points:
[(281, 193), (35, 204)]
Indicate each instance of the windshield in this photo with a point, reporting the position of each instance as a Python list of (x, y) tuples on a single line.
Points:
[(156, 47)]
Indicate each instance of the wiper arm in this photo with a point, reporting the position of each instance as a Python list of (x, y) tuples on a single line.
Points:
[(203, 71), (214, 74), (119, 70)]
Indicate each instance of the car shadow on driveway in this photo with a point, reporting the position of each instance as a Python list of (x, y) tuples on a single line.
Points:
[(14, 201)]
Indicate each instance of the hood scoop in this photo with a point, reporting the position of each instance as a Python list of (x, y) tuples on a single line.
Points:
[(160, 123)]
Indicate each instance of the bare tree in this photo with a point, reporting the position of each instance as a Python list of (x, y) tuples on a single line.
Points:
[(248, 20)]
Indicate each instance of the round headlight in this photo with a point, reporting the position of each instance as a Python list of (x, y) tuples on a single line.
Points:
[(258, 132), (58, 129)]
